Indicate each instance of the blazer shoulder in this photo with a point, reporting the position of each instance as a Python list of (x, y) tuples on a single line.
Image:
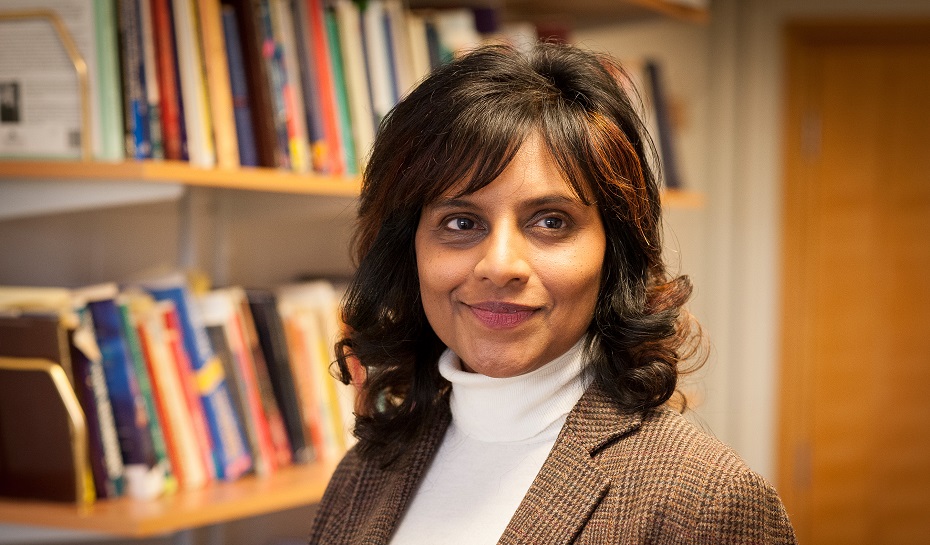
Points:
[(337, 498)]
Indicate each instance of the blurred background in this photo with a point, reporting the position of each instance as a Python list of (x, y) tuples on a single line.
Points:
[(801, 134)]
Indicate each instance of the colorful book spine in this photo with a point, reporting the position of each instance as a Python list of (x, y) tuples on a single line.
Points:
[(218, 84), (273, 341), (346, 137), (135, 102), (282, 26), (110, 129), (277, 82), (129, 410), (141, 369), (91, 389), (239, 87), (316, 135), (196, 108), (351, 38), (150, 66), (333, 157), (230, 450), (172, 121)]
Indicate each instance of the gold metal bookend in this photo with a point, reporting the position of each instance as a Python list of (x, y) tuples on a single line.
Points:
[(80, 66), (77, 424)]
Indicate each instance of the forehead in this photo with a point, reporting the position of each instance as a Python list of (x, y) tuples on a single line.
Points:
[(532, 173)]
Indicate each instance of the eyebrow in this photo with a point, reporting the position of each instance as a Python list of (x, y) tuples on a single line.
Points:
[(545, 200)]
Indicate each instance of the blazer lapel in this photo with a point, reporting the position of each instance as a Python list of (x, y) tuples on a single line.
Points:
[(393, 488), (570, 485)]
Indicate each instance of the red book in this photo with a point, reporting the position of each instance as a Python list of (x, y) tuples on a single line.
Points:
[(326, 86), (173, 337), (171, 120)]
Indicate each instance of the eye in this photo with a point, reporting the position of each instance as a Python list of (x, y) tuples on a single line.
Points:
[(460, 224), (551, 222)]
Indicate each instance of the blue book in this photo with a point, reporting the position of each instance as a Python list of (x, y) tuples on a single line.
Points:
[(136, 104), (230, 450), (245, 132), (128, 405)]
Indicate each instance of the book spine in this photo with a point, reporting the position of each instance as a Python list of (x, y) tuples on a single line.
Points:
[(346, 137), (91, 389), (125, 398), (165, 58), (218, 84), (277, 431), (259, 93), (193, 90), (151, 79), (325, 84), (181, 402), (110, 128), (230, 451), (239, 87), (270, 332), (274, 70), (145, 389), (138, 139), (351, 38), (282, 24)]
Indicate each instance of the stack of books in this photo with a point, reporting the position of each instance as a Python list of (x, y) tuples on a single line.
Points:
[(175, 389)]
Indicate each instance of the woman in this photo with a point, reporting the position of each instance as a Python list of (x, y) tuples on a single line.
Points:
[(516, 330)]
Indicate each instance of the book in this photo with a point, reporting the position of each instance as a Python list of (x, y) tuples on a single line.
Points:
[(271, 56), (150, 69), (331, 158), (172, 121), (220, 313), (129, 408), (135, 102), (36, 335), (348, 20), (109, 130), (272, 339), (307, 71), (239, 87), (90, 387), (125, 302), (185, 425), (260, 101), (419, 48), (218, 83), (379, 55), (399, 23), (196, 108), (282, 27), (276, 426), (347, 147), (39, 77), (230, 451), (667, 152)]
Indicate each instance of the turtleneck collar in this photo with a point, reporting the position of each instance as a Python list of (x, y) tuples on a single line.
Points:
[(514, 409)]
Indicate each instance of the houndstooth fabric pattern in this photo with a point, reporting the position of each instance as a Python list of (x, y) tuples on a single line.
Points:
[(611, 478)]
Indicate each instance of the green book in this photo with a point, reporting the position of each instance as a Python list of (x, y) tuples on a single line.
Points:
[(110, 123), (145, 388), (342, 100)]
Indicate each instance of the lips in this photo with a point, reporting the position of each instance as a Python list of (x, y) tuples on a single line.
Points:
[(499, 315)]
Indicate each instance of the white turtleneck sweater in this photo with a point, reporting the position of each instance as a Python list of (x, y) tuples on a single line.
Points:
[(501, 433)]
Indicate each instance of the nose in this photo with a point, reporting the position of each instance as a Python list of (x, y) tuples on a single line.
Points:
[(504, 257)]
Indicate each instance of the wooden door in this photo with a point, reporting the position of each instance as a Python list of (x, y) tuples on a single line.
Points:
[(854, 460)]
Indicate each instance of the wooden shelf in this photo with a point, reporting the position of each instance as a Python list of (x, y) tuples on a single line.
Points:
[(609, 11), (250, 496), (250, 179), (253, 179)]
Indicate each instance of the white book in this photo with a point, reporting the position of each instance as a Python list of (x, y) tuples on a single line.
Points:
[(200, 147), (348, 20)]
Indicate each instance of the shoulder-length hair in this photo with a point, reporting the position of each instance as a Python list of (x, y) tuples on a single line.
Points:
[(463, 125)]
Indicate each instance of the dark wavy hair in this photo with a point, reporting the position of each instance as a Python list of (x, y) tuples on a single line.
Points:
[(463, 125)]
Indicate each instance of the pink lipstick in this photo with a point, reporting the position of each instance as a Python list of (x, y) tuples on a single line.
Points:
[(498, 315)]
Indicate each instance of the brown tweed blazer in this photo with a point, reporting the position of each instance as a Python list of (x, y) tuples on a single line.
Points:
[(610, 478)]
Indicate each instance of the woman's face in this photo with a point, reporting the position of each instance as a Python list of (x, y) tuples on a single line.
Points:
[(509, 274)]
